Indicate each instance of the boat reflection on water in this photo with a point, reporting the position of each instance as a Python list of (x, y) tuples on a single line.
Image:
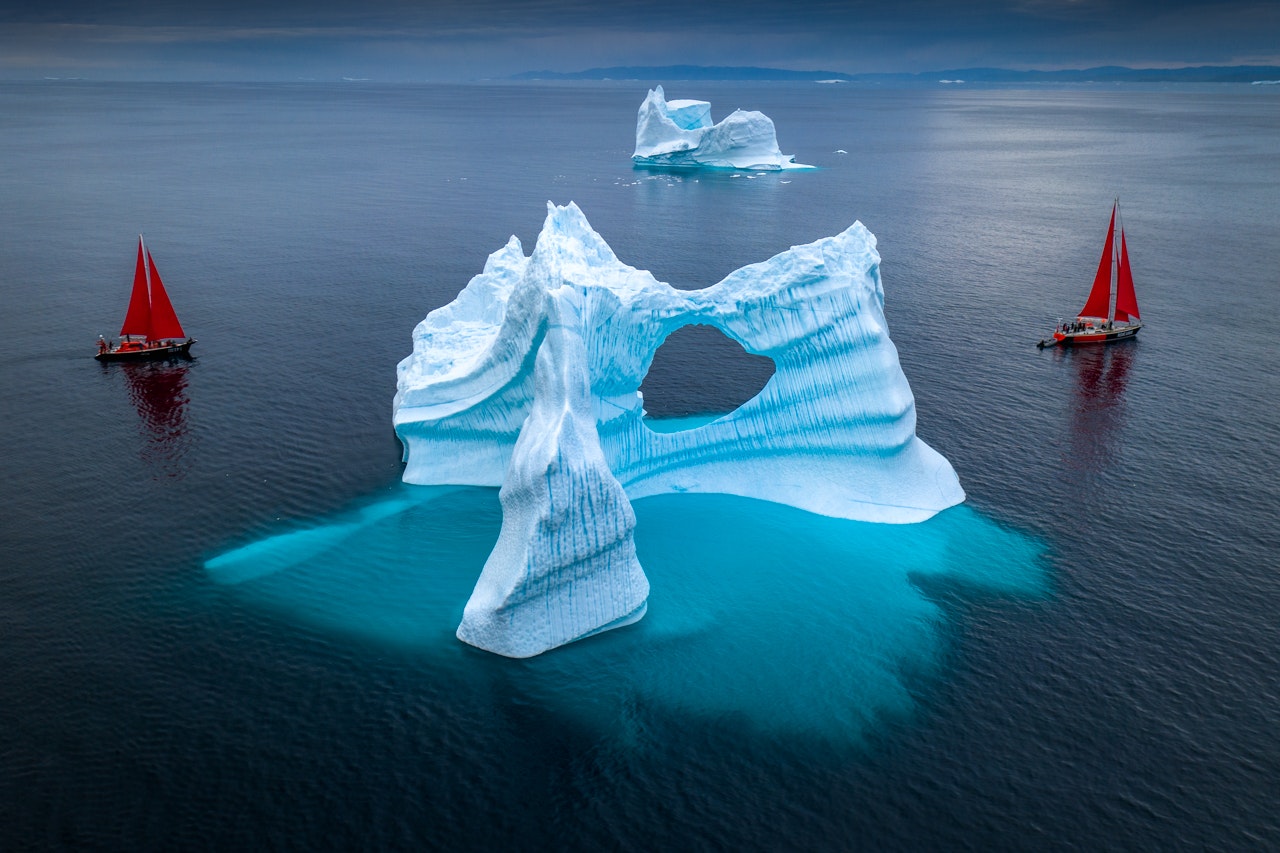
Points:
[(158, 390), (1098, 411)]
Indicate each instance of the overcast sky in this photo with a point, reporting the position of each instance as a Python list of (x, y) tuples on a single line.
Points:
[(472, 39)]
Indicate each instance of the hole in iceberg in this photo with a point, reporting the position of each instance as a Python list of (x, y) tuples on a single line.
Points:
[(677, 394)]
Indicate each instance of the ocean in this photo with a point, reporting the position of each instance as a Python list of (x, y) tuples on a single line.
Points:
[(226, 624)]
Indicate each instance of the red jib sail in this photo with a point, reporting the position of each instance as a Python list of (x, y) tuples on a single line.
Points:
[(164, 321), (137, 320), (1126, 298), (1099, 302), (150, 313)]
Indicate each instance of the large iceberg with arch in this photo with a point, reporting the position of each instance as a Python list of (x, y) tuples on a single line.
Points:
[(530, 379), (680, 134)]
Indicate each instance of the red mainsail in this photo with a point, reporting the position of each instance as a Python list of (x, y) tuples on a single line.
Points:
[(1126, 297), (1099, 302), (137, 320), (150, 313)]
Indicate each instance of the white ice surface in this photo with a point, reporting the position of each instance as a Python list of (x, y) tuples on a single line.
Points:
[(530, 379)]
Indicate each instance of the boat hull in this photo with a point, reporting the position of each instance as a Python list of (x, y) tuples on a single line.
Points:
[(147, 353), (1092, 336)]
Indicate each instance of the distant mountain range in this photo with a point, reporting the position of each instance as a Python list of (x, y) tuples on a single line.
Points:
[(683, 72), (1103, 74)]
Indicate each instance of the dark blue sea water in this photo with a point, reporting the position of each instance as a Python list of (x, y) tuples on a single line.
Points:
[(225, 623)]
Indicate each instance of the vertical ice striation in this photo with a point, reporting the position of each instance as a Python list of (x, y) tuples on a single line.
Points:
[(565, 563), (530, 380), (679, 134)]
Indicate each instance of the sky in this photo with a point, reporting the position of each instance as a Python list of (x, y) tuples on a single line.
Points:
[(445, 40)]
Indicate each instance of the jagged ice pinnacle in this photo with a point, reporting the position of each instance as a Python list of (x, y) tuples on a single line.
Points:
[(680, 134), (530, 378)]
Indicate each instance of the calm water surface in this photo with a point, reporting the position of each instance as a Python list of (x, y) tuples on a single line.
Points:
[(225, 623)]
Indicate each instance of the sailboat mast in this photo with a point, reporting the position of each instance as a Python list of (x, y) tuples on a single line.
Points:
[(146, 261), (1115, 267), (1126, 299)]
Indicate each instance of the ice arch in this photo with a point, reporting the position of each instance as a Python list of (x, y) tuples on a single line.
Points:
[(529, 380)]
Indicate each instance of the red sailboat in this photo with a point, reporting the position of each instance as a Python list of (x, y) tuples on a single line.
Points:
[(1098, 322), (151, 328)]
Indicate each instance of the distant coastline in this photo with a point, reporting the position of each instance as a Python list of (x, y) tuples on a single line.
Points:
[(1101, 74)]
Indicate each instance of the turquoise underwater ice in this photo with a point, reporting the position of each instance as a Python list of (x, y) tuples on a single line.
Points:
[(789, 622)]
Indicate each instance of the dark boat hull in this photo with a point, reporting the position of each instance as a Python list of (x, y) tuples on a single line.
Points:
[(145, 353)]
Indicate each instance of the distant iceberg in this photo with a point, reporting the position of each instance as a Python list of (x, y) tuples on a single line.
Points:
[(679, 134), (530, 378)]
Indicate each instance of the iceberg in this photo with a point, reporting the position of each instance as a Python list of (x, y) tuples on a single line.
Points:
[(679, 134), (529, 380)]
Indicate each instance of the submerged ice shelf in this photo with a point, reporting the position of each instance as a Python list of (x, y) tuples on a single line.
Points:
[(679, 134), (783, 620), (530, 378)]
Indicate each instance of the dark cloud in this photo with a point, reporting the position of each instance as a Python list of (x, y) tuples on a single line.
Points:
[(404, 39)]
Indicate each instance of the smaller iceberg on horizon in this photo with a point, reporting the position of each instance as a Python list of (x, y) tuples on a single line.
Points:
[(680, 134)]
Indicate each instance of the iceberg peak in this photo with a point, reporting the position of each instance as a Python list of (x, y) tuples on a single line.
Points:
[(568, 241), (530, 380)]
